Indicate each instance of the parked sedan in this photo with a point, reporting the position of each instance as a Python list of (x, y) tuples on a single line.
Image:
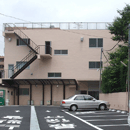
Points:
[(81, 101)]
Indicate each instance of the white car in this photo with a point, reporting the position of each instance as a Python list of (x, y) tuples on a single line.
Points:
[(83, 101)]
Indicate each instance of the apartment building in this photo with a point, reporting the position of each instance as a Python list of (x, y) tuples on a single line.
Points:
[(47, 62), (1, 65), (2, 90)]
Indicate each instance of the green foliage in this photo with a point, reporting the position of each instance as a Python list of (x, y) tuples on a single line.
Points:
[(120, 24), (114, 76)]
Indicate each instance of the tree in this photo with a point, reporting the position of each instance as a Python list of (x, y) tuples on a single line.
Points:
[(114, 77), (120, 24)]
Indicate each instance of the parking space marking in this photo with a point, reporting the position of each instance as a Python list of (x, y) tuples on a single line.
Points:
[(107, 119), (98, 113), (103, 116), (34, 125), (112, 125), (96, 127)]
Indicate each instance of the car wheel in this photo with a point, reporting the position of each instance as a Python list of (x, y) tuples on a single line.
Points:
[(73, 108), (102, 107)]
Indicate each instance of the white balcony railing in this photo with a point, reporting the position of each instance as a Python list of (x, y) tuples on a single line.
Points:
[(59, 25)]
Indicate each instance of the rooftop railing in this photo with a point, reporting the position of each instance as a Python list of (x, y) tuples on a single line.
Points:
[(60, 25)]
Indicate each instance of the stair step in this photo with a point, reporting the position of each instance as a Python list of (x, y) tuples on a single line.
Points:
[(24, 67), (26, 43)]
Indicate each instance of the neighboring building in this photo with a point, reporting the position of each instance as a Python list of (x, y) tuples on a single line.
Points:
[(1, 66), (2, 90), (45, 63)]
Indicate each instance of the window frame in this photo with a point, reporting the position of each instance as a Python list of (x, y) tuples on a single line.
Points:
[(61, 52), (18, 42), (95, 64), (96, 42), (54, 74), (27, 68), (21, 92), (1, 66), (1, 59)]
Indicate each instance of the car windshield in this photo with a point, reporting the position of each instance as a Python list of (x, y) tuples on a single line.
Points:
[(69, 97)]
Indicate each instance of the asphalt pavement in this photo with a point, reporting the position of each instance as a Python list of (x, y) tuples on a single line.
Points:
[(52, 118)]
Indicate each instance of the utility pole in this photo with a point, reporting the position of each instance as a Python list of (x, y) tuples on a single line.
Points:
[(100, 70), (129, 69)]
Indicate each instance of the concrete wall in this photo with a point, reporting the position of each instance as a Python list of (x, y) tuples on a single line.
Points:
[(75, 65), (117, 100)]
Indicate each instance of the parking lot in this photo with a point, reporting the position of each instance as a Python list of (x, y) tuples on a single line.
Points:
[(104, 120), (51, 118)]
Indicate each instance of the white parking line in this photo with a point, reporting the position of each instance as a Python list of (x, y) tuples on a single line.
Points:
[(98, 113), (84, 121), (103, 116), (107, 119), (34, 125), (112, 125)]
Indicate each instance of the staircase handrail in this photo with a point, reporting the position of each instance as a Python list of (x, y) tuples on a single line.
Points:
[(25, 59), (23, 34)]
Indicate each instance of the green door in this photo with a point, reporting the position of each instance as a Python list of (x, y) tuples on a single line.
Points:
[(2, 97)]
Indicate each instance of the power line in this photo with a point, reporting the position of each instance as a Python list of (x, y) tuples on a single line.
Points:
[(85, 34), (31, 22), (15, 18), (112, 47), (106, 58)]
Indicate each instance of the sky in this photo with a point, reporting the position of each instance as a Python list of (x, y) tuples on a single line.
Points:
[(58, 11)]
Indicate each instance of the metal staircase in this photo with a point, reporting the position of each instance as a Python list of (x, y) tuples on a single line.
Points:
[(28, 59)]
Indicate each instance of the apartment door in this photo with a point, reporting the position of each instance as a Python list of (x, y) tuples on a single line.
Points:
[(47, 47), (2, 97), (10, 71)]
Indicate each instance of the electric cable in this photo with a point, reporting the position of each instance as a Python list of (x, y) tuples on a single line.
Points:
[(62, 30), (15, 18), (106, 58), (112, 47)]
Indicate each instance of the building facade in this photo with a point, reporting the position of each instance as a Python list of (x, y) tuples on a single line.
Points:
[(45, 63)]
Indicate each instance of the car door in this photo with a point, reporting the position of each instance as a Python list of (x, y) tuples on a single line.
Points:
[(79, 100), (90, 102)]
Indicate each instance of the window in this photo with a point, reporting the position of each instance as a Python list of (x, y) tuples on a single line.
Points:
[(60, 52), (94, 65), (21, 43), (79, 98), (1, 66), (95, 42), (88, 98), (1, 59), (83, 92), (21, 64), (24, 91), (54, 74), (95, 94)]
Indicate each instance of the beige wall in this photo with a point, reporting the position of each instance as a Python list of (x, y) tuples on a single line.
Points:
[(37, 94), (117, 100), (23, 99), (75, 65), (70, 91)]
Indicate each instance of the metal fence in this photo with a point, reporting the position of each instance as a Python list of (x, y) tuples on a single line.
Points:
[(60, 25)]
